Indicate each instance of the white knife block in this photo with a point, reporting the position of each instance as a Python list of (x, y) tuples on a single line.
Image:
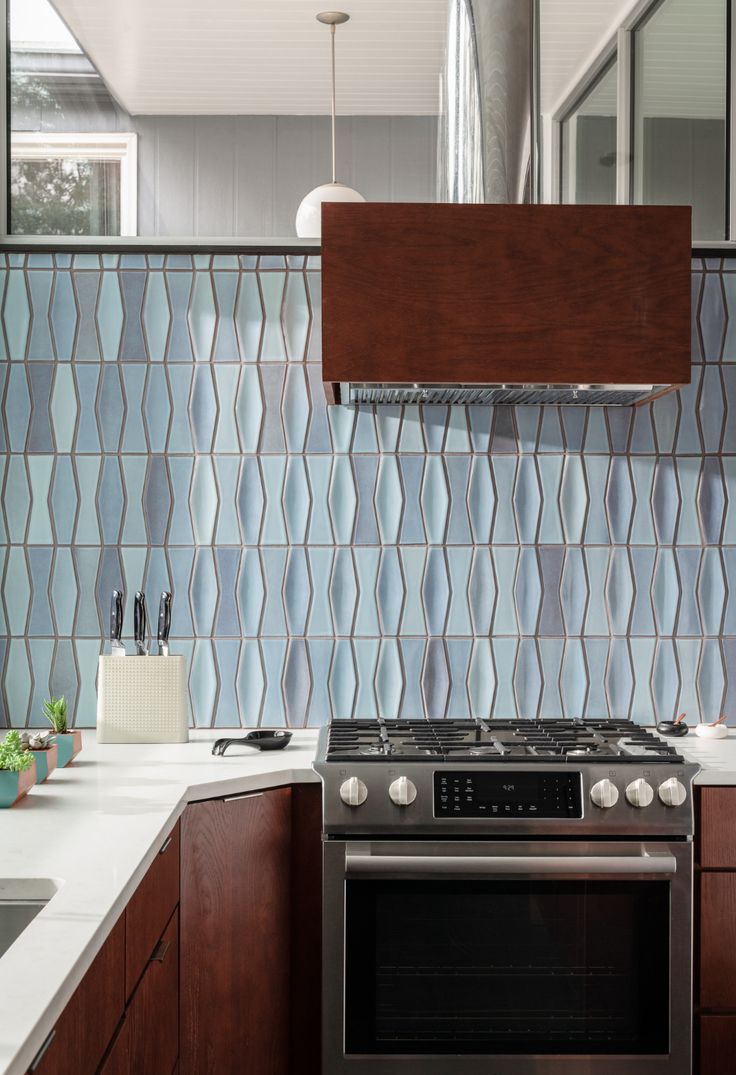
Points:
[(142, 700)]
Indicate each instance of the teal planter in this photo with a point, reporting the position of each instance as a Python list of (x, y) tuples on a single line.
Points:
[(14, 786), (46, 761), (69, 746)]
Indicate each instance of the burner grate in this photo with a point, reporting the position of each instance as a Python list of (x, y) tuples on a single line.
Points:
[(495, 740)]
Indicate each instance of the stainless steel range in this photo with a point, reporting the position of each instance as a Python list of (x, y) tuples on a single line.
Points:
[(505, 898)]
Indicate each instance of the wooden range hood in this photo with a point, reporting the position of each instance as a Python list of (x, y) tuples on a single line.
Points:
[(565, 304)]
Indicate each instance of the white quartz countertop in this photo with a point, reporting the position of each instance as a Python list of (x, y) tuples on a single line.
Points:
[(94, 828)]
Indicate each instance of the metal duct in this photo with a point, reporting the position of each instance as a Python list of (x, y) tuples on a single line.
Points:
[(489, 128)]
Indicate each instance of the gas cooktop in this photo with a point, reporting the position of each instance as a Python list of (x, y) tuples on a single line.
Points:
[(495, 741)]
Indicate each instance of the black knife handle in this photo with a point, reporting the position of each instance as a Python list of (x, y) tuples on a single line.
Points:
[(164, 617), (139, 618), (116, 616)]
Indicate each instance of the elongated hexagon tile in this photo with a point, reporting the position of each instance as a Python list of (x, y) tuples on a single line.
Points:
[(642, 564), (551, 563), (458, 658), (688, 477), (295, 409), (528, 680), (320, 658), (527, 500), (249, 317), (666, 501), (251, 592), (156, 316), (481, 499), (273, 347), (63, 408), (17, 409), (435, 499), (666, 418), (297, 591), (296, 684), (203, 409), (666, 592), (203, 500), (157, 409), (619, 591), (712, 317), (296, 500), (366, 562), (273, 561), (505, 563), (551, 651), (40, 379), (412, 618), (528, 591), (226, 341), (295, 317), (481, 679), (711, 408), (596, 525), (249, 409), (574, 593), (573, 680), (642, 660), (711, 591), (343, 591), (64, 316), (619, 679), (39, 560), (435, 680), (712, 681), (712, 499), (156, 500), (481, 591), (251, 683), (226, 391), (204, 590), (688, 566), (389, 499), (365, 471), (459, 562), (16, 315), (688, 659), (573, 499), (665, 680), (227, 471), (642, 477), (133, 343), (18, 684), (504, 521), (250, 500), (435, 591), (342, 499), (227, 654), (390, 591), (203, 683), (343, 681), (412, 522), (412, 658), (40, 347), (389, 680), (110, 316), (17, 498)]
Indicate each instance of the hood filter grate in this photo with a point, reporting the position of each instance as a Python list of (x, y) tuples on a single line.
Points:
[(592, 395)]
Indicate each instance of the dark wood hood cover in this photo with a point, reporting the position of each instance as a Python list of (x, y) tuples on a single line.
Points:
[(514, 294)]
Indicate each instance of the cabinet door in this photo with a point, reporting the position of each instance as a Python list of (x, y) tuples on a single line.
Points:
[(718, 940), (150, 908), (716, 830), (87, 1024), (235, 935), (117, 1061), (153, 1015), (717, 1043)]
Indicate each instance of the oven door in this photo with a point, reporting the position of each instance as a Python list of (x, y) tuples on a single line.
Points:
[(507, 958)]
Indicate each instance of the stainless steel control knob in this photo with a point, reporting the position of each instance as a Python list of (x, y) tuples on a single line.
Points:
[(604, 794), (353, 792), (672, 792), (639, 793), (402, 792)]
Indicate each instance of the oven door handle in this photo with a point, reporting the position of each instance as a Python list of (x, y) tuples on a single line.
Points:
[(485, 865)]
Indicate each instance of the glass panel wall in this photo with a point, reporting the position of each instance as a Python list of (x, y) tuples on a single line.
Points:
[(588, 159), (679, 111)]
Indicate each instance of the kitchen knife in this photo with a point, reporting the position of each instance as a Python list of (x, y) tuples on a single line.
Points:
[(117, 649), (140, 624), (164, 624)]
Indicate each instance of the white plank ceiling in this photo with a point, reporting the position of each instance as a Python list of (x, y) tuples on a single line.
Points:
[(256, 57)]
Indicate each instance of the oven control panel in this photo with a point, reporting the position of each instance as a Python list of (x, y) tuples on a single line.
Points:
[(507, 795)]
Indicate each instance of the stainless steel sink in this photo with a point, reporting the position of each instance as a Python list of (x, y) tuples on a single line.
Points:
[(20, 901)]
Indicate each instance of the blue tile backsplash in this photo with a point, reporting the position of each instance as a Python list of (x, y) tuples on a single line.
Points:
[(164, 426)]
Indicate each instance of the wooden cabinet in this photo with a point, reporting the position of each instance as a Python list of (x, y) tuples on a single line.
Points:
[(715, 891), (153, 1014), (150, 909), (85, 1027), (236, 934)]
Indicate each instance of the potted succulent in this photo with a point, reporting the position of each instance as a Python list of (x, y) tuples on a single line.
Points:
[(45, 752), (68, 741), (17, 770)]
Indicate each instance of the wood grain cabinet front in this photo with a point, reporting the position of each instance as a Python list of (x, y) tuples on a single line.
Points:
[(82, 1034), (717, 1036), (150, 908), (236, 934)]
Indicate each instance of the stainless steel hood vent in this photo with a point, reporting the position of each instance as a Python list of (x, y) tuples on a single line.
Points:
[(561, 395)]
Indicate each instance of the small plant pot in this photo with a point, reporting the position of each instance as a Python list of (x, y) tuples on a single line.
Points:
[(69, 745), (46, 761), (13, 786)]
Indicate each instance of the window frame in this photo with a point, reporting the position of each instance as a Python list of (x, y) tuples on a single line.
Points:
[(121, 148), (620, 45), (606, 60)]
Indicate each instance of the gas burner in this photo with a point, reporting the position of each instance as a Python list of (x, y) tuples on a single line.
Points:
[(502, 741)]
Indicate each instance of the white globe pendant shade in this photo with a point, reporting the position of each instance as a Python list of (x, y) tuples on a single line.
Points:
[(309, 213)]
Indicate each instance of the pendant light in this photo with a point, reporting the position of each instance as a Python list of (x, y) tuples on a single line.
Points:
[(309, 213)]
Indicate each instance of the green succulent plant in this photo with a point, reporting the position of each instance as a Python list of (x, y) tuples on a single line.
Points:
[(54, 710), (13, 757)]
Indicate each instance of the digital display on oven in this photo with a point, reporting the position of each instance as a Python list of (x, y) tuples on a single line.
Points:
[(507, 795)]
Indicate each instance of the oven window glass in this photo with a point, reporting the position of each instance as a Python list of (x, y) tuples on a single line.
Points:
[(507, 967)]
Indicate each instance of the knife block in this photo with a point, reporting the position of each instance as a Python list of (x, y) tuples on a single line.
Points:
[(142, 700)]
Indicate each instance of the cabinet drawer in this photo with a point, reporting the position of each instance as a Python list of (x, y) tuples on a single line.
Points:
[(117, 1061), (718, 940), (150, 908), (717, 1043), (153, 1015), (717, 828), (87, 1024)]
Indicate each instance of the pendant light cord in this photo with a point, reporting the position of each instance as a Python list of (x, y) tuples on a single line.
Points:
[(332, 42)]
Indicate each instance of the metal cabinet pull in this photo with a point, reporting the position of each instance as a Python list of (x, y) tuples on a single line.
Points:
[(165, 844), (159, 952), (246, 795), (42, 1051)]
